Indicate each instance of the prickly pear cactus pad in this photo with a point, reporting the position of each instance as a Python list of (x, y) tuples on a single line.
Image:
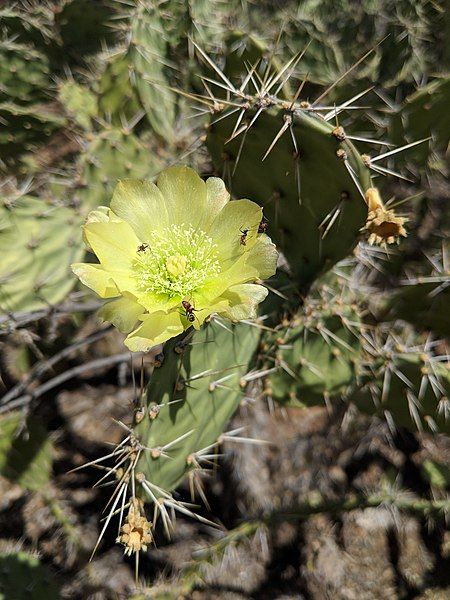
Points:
[(195, 391), (23, 576), (38, 242), (173, 253), (315, 356), (409, 389), (198, 383), (308, 177)]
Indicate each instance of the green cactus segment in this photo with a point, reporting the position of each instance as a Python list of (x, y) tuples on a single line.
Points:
[(25, 453), (198, 391), (423, 113), (23, 577), (409, 390), (35, 27), (315, 356), (424, 304), (24, 73), (38, 242), (148, 56), (84, 28), (437, 473), (314, 207), (27, 116), (110, 155), (79, 102), (117, 98), (243, 48), (24, 129)]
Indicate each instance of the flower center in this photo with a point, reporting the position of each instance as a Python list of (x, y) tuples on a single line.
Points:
[(176, 261), (176, 264)]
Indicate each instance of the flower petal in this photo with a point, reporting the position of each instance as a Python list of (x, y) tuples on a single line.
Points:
[(257, 263), (105, 282), (219, 305), (184, 195), (142, 205), (156, 328), (122, 313), (236, 217), (99, 215), (263, 256), (244, 299), (96, 278), (114, 243), (155, 302), (217, 196)]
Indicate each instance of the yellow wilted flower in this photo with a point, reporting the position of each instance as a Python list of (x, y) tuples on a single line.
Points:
[(135, 533), (382, 224), (172, 254)]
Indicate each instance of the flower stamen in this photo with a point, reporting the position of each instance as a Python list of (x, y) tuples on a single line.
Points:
[(177, 261)]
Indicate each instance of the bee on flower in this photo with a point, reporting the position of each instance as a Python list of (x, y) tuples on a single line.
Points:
[(170, 255)]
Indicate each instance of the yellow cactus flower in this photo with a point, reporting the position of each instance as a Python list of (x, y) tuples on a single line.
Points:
[(172, 254)]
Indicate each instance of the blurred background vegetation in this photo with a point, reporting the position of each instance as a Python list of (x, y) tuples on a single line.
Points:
[(94, 90)]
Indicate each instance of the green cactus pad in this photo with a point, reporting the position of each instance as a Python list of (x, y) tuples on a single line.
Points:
[(198, 391), (38, 242), (410, 390), (117, 98), (315, 355), (110, 155), (25, 453), (27, 128), (424, 113), (304, 186), (23, 577), (423, 305), (79, 102), (24, 73), (148, 56)]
